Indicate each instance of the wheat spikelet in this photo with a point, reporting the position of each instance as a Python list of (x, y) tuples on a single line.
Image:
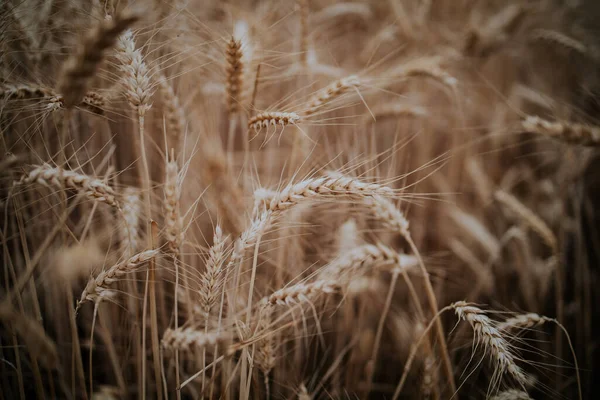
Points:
[(330, 93), (523, 321), (272, 118), (334, 185), (174, 114), (99, 287), (302, 292), (492, 339), (569, 132), (81, 66), (136, 76), (212, 280), (559, 38), (94, 102), (511, 394), (235, 70), (192, 339), (249, 236), (174, 232), (529, 217), (60, 178)]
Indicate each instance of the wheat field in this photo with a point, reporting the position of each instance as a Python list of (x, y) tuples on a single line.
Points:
[(299, 199)]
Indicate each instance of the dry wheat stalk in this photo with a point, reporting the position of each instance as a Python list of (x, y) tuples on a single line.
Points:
[(98, 288), (310, 188), (330, 93), (272, 118), (212, 280), (192, 339), (569, 132), (79, 69), (529, 217), (492, 339), (302, 292), (235, 70), (65, 179), (174, 232), (136, 79), (512, 394), (523, 321)]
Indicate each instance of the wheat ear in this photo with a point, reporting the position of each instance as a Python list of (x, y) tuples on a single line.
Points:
[(320, 187), (492, 339), (192, 339), (211, 281), (136, 79), (174, 232), (529, 217), (523, 321), (235, 70), (569, 132), (302, 292), (65, 179), (330, 93), (174, 114), (272, 118), (98, 288), (131, 204), (559, 38), (81, 66)]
